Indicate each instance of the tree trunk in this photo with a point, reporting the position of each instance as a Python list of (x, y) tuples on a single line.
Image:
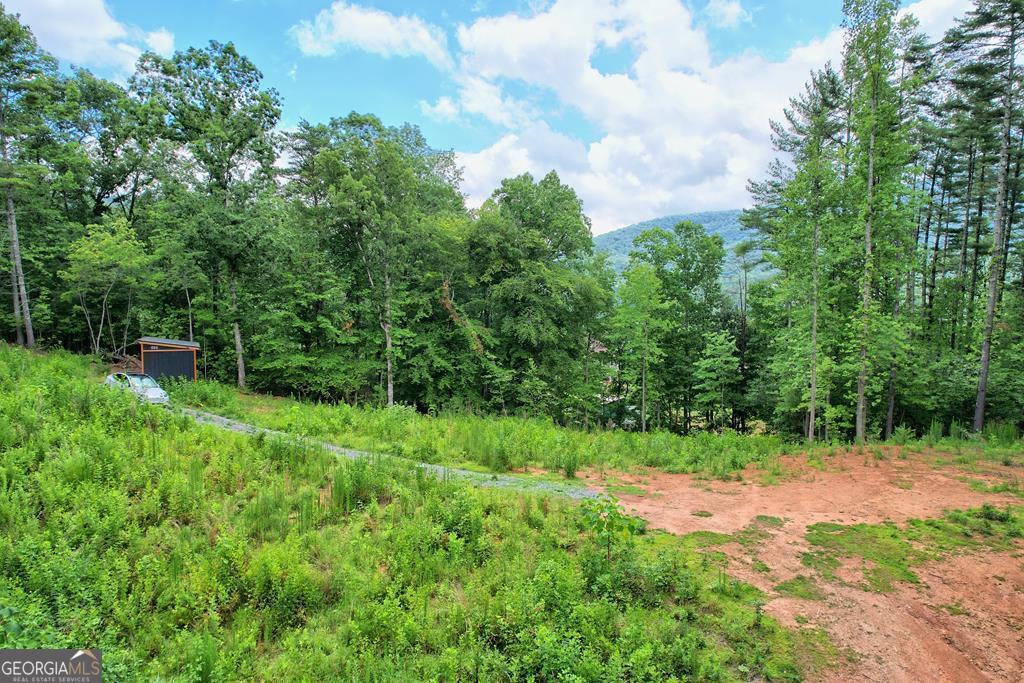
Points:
[(586, 381), (927, 237), (1013, 199), (103, 317), (862, 374), (939, 228), (19, 273), (995, 267), (390, 369), (891, 402), (16, 307), (965, 234), (643, 396), (239, 355), (385, 324), (188, 298), (88, 320), (813, 402), (974, 261), (127, 322)]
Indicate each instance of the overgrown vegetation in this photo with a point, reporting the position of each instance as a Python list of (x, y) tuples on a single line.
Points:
[(496, 443), (190, 553), (512, 443)]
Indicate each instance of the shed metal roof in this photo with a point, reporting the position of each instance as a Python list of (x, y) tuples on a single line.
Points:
[(160, 341)]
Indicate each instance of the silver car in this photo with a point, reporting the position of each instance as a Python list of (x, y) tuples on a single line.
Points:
[(143, 386)]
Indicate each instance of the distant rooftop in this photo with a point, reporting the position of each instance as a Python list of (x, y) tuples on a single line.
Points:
[(166, 342)]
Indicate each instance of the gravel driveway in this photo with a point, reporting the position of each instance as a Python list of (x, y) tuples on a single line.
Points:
[(576, 491)]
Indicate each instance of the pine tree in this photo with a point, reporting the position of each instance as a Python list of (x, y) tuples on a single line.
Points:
[(991, 35), (717, 372)]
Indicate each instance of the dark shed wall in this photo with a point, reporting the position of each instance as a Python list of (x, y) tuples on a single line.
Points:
[(159, 364)]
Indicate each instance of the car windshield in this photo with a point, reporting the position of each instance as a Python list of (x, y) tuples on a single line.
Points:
[(144, 382)]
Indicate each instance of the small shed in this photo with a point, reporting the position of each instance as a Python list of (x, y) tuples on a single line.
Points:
[(167, 357)]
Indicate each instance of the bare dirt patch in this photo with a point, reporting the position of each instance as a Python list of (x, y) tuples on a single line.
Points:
[(963, 622)]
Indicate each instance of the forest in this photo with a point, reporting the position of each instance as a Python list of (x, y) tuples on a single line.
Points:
[(338, 261)]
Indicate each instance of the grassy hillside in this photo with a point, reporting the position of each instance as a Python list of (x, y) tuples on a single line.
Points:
[(494, 443), (188, 553), (501, 444)]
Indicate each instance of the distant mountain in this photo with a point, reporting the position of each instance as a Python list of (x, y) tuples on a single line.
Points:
[(618, 243)]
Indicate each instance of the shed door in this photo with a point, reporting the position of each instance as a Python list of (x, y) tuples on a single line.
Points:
[(169, 364)]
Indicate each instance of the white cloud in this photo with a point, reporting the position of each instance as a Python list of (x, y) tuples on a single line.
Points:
[(161, 42), (85, 33), (727, 13), (347, 25), (678, 132), (936, 16), (445, 109)]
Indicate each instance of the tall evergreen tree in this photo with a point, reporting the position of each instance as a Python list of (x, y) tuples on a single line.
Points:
[(990, 36)]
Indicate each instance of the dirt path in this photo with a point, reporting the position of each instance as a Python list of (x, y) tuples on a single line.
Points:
[(963, 622)]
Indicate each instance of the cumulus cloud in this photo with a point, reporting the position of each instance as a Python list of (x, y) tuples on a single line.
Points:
[(727, 13), (444, 110), (161, 42), (347, 25), (679, 131), (84, 32), (936, 16)]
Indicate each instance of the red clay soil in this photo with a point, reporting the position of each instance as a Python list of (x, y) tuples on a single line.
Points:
[(963, 622)]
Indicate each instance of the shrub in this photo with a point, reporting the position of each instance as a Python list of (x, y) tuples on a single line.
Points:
[(901, 435), (191, 553), (280, 582)]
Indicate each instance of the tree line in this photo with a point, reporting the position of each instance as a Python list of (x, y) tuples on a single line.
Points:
[(339, 261)]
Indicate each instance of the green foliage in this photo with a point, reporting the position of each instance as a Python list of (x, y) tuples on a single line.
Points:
[(356, 272), (638, 326), (716, 373), (612, 528), (190, 552), (497, 443)]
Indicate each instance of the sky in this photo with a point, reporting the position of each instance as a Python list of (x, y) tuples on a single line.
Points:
[(645, 107)]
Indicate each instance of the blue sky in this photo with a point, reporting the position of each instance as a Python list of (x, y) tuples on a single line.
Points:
[(647, 107), (391, 87)]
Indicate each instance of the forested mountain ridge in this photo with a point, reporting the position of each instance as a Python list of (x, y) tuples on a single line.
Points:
[(890, 225), (619, 242)]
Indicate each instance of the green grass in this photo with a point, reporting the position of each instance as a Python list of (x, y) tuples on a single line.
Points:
[(626, 490), (504, 444), (757, 532), (955, 608), (498, 443), (1011, 486), (188, 553), (889, 552), (802, 587)]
